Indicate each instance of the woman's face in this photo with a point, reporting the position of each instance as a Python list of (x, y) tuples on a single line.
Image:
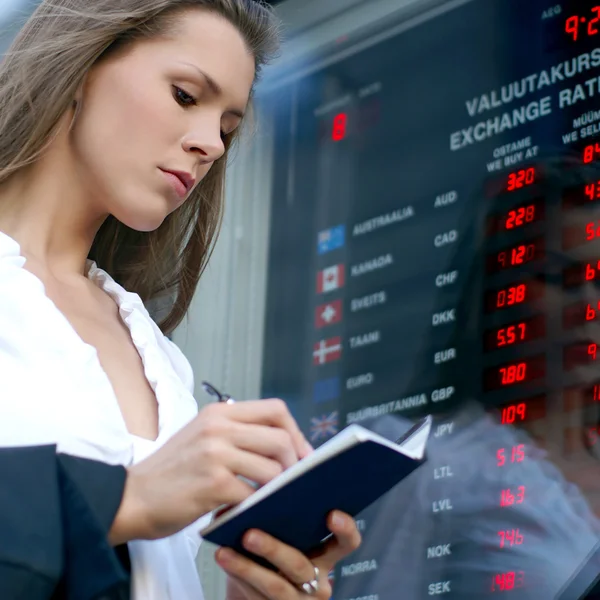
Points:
[(163, 105)]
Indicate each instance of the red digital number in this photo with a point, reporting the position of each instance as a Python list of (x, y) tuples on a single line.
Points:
[(510, 537), (507, 498), (511, 414), (592, 435), (573, 23), (591, 313), (592, 351), (504, 582), (572, 26), (517, 455), (520, 179), (512, 295), (518, 256), (513, 373), (592, 29), (339, 127), (592, 231), (520, 216), (591, 271), (522, 254), (511, 335), (589, 153), (592, 190)]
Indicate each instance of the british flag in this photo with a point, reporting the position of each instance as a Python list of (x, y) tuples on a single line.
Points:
[(323, 427)]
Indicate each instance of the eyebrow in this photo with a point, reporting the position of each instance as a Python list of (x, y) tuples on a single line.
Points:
[(215, 87)]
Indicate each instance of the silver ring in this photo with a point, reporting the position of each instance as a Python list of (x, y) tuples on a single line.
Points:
[(310, 588)]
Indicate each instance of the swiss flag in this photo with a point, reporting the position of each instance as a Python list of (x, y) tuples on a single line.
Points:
[(331, 278), (327, 351), (328, 314)]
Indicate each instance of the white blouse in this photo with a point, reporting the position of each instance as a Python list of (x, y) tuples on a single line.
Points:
[(53, 390)]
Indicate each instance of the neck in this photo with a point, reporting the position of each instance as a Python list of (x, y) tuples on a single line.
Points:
[(48, 211)]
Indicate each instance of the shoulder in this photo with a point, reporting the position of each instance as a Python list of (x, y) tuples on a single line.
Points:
[(20, 293)]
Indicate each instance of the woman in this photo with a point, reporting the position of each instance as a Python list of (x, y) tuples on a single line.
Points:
[(116, 117)]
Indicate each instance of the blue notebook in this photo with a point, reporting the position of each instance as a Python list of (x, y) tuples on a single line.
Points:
[(349, 472)]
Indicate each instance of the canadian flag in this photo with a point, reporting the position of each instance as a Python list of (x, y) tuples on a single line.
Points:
[(331, 278), (328, 314)]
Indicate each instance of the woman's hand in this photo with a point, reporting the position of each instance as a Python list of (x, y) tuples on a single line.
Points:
[(197, 470), (250, 581)]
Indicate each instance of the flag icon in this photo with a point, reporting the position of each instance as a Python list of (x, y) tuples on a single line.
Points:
[(327, 350), (326, 390), (328, 314), (331, 278), (331, 239), (323, 427)]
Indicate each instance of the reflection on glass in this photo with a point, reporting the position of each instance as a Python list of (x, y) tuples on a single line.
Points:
[(443, 189)]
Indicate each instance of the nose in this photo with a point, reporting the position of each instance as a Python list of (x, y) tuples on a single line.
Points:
[(206, 142)]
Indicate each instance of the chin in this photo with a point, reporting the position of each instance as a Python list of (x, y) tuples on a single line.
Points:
[(145, 218)]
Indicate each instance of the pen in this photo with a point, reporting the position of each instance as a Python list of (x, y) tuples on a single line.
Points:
[(413, 430), (213, 391)]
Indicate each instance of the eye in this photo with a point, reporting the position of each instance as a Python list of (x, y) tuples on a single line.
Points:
[(182, 97)]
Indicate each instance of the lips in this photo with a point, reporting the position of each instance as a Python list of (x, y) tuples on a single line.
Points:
[(186, 178)]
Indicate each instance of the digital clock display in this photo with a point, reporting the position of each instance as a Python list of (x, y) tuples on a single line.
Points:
[(591, 153), (583, 25), (514, 373), (504, 582), (581, 273), (575, 395), (580, 354), (520, 179), (513, 295), (516, 255), (581, 195), (513, 182), (581, 313), (518, 217), (515, 333), (517, 413)]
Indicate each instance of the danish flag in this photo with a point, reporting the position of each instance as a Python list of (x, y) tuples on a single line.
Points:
[(327, 350)]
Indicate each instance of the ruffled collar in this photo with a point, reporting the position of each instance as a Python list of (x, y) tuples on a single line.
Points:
[(176, 403)]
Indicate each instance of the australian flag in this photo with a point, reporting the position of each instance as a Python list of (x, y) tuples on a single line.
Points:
[(331, 239), (322, 428)]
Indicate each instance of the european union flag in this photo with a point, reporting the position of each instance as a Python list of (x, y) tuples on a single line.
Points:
[(326, 390), (331, 239)]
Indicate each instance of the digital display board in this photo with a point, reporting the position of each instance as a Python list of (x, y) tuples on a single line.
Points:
[(434, 250)]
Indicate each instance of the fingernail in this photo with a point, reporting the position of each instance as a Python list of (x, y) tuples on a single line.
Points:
[(339, 520), (309, 448), (253, 541), (224, 555)]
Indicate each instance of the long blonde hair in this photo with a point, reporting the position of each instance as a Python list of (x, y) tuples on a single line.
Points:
[(39, 77)]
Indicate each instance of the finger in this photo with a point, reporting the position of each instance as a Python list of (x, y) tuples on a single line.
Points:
[(271, 442), (231, 490), (346, 539), (272, 412), (252, 466), (265, 582), (295, 566)]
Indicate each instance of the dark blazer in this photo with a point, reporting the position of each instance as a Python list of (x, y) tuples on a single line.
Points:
[(55, 514)]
